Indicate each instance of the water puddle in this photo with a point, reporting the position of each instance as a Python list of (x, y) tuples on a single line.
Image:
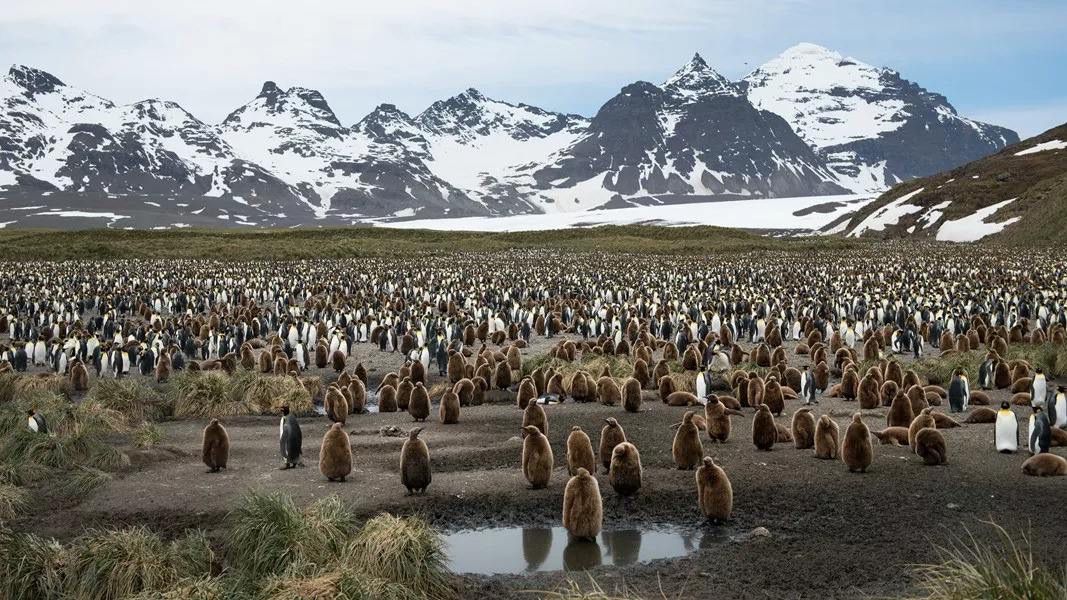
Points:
[(523, 550), (370, 408)]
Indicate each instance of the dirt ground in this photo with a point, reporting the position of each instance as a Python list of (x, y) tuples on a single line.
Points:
[(833, 534)]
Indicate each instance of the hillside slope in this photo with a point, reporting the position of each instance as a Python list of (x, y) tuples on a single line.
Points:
[(1017, 195)]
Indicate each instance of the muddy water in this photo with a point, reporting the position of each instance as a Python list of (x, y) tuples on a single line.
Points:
[(518, 550)]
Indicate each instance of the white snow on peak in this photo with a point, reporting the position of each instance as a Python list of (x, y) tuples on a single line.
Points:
[(1042, 147), (889, 214), (974, 227), (828, 98), (697, 79)]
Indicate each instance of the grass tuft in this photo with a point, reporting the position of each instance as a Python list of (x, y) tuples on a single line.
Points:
[(30, 566), (1006, 570), (12, 501), (216, 394), (148, 435), (403, 550), (135, 401)]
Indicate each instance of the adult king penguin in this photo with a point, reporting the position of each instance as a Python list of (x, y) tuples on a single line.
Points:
[(1039, 435), (1038, 388), (1059, 405), (290, 439), (807, 387), (959, 392), (36, 422), (1006, 430)]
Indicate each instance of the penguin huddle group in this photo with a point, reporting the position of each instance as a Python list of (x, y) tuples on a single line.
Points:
[(725, 323)]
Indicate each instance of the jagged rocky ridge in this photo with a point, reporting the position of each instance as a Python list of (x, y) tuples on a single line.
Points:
[(807, 123)]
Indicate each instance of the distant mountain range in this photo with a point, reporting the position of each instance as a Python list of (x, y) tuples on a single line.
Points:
[(809, 122)]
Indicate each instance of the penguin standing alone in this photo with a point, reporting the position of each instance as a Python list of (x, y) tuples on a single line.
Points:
[(1040, 434), (290, 439), (36, 422), (1006, 430)]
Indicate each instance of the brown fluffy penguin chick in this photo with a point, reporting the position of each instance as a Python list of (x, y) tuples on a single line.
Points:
[(464, 388), (535, 416), (930, 446), (661, 370), (403, 395), (357, 395), (554, 387), (785, 436), (387, 398), (79, 375), (943, 421), (682, 399), (900, 414), (892, 436), (982, 414), (717, 420), (631, 395), (419, 405), (163, 369), (687, 450), (856, 450), (803, 428), (666, 388), (335, 456), (583, 509), (527, 392), (826, 438), (641, 373), (456, 367), (764, 433), (714, 492), (418, 372), (756, 389), (579, 452), (537, 460), (335, 405), (869, 394), (850, 385), (1045, 465), (624, 472), (502, 376), (338, 361), (216, 446), (449, 409), (773, 397), (415, 463), (611, 435), (608, 391), (922, 420)]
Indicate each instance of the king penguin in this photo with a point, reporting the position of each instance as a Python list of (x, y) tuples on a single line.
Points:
[(1059, 419), (1006, 430), (290, 439), (36, 422), (1039, 435)]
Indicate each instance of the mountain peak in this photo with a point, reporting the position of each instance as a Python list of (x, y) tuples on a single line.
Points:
[(811, 51), (269, 89), (34, 80), (696, 77)]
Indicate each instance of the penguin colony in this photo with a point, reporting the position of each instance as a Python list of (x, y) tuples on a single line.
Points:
[(727, 328)]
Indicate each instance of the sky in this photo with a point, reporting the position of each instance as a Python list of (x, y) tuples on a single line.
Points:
[(997, 61)]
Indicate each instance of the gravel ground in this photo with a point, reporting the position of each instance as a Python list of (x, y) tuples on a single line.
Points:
[(833, 534)]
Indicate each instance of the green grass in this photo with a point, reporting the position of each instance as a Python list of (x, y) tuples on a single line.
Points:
[(30, 566), (148, 435), (121, 563), (14, 386), (299, 244), (216, 394), (1006, 570), (268, 533), (136, 401), (404, 551)]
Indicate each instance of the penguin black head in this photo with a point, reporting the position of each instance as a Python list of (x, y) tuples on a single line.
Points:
[(285, 410), (1005, 405), (31, 412)]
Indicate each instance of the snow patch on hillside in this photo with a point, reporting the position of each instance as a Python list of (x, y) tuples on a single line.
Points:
[(974, 227)]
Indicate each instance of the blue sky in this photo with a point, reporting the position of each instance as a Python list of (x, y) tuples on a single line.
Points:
[(997, 61)]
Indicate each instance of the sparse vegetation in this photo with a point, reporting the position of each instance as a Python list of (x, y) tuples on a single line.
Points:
[(216, 394), (403, 551), (136, 401), (12, 500), (1006, 570), (147, 435)]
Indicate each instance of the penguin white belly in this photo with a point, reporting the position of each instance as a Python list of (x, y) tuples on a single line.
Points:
[(702, 386), (1061, 410), (1007, 432), (32, 423), (1031, 443)]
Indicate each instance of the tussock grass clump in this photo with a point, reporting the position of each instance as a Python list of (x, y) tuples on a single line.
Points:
[(77, 434), (403, 550), (1006, 570), (337, 585), (137, 402), (8, 382), (14, 386), (82, 481), (1050, 357), (30, 566), (12, 501), (125, 562), (938, 370), (269, 532), (147, 435), (216, 394), (204, 588)]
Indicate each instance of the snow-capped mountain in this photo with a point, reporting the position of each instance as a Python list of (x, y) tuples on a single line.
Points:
[(694, 135), (807, 123), (872, 127)]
